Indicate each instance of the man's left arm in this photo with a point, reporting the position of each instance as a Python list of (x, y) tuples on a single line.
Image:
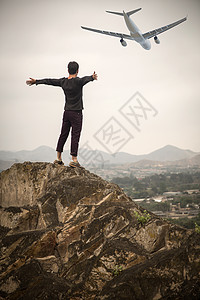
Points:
[(87, 79)]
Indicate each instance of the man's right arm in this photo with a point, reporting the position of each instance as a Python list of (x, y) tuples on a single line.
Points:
[(48, 81)]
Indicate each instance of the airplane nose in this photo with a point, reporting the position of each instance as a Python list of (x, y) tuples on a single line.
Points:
[(147, 45)]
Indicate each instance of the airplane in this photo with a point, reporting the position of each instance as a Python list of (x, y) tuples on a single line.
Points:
[(135, 33)]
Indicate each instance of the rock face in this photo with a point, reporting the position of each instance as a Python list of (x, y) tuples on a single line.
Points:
[(68, 234)]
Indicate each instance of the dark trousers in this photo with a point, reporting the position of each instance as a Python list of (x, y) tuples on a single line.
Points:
[(71, 119)]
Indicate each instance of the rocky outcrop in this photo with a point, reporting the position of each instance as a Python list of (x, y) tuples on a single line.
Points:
[(68, 234)]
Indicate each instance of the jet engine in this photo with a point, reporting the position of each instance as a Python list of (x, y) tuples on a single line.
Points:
[(156, 39), (123, 42)]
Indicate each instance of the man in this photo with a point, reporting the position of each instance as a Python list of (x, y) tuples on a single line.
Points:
[(72, 117)]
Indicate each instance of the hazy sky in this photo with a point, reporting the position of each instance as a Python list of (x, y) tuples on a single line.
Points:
[(39, 38)]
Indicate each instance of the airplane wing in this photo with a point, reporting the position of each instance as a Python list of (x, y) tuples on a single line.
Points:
[(119, 35), (155, 32)]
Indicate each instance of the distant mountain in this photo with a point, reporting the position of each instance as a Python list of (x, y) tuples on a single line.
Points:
[(47, 154), (42, 153), (167, 153), (170, 153), (119, 158)]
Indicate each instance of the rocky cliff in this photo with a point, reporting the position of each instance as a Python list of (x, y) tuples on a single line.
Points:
[(68, 234)]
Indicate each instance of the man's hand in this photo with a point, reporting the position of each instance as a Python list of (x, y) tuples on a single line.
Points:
[(31, 81), (94, 76)]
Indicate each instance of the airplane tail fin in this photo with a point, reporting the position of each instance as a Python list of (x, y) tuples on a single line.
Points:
[(121, 14), (115, 13), (133, 11)]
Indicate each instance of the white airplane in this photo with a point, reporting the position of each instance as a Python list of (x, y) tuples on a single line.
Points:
[(135, 33)]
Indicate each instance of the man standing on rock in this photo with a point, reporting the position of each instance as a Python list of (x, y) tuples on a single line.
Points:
[(72, 117)]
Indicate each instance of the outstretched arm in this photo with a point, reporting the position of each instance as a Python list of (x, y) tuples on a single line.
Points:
[(94, 76), (31, 81), (84, 80), (48, 81)]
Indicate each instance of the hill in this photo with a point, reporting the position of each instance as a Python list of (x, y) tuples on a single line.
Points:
[(170, 153), (42, 153), (147, 163), (68, 234), (190, 162), (47, 154)]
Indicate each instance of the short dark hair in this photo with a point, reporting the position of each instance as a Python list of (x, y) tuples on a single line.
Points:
[(73, 67)]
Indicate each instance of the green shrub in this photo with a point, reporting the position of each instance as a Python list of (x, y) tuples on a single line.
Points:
[(197, 228), (142, 219), (117, 270)]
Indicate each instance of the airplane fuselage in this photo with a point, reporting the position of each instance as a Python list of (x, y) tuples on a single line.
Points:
[(135, 33)]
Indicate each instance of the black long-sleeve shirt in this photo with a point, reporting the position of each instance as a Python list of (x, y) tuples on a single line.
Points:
[(72, 89)]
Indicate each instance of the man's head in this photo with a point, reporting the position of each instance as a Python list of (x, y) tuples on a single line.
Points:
[(73, 67)]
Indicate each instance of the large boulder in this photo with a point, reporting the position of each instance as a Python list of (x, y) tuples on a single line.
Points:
[(68, 234)]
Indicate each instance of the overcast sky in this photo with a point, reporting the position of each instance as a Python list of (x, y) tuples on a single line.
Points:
[(39, 38)]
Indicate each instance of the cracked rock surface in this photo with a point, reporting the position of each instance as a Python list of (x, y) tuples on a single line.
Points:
[(68, 234)]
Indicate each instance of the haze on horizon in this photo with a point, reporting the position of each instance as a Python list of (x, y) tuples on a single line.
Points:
[(39, 38)]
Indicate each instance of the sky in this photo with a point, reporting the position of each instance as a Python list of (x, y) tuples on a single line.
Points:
[(142, 100)]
